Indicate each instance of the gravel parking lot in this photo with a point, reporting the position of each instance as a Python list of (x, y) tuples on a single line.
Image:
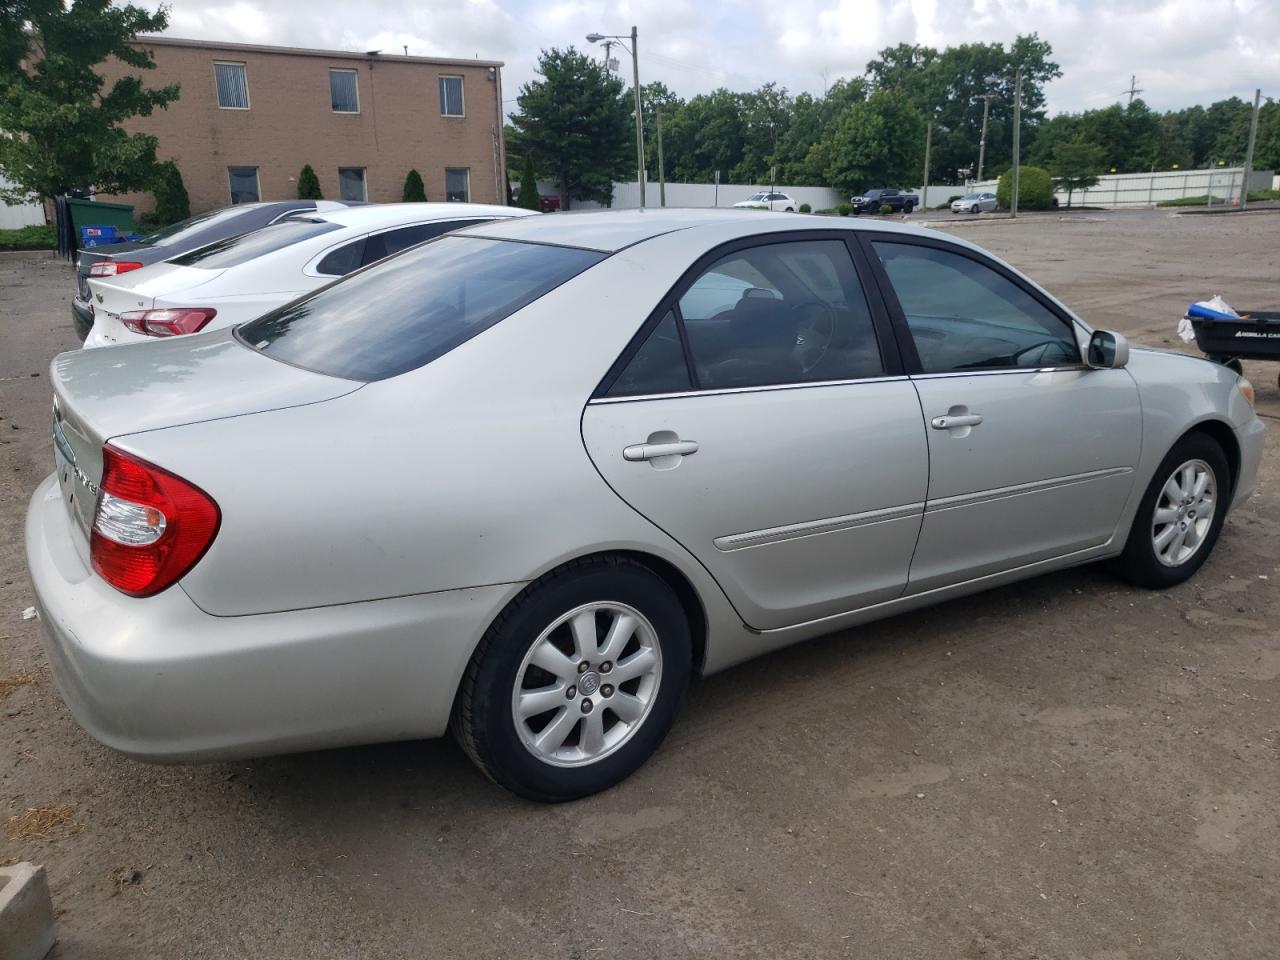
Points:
[(1065, 768)]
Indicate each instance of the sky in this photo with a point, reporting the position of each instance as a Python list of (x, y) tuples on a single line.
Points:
[(1183, 52)]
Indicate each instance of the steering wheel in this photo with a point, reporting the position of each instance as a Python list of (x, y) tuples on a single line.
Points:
[(810, 316)]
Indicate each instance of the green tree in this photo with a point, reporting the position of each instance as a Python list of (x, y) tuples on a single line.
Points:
[(1035, 189), (576, 122), (704, 136), (414, 189), (62, 126), (766, 114), (1076, 165), (877, 143), (172, 202), (309, 184), (528, 198)]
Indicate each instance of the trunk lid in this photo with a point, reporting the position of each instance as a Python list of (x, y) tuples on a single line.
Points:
[(100, 394)]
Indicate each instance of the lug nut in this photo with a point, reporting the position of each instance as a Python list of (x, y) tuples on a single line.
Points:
[(586, 705), (606, 667), (571, 692), (584, 666), (606, 690)]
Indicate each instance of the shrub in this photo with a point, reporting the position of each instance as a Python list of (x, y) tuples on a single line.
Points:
[(842, 209), (414, 190), (309, 184), (28, 238), (172, 202), (885, 208), (1035, 189), (528, 198), (805, 208)]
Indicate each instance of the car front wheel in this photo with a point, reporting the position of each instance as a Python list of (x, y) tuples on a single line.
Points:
[(1180, 516), (577, 682)]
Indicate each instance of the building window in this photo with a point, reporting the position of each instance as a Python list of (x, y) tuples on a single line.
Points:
[(233, 86), (244, 184), (457, 184), (451, 96), (351, 183), (344, 94)]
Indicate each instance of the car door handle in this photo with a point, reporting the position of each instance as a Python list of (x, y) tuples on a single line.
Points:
[(958, 420), (651, 451)]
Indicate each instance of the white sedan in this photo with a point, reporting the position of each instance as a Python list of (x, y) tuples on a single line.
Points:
[(767, 200), (242, 277)]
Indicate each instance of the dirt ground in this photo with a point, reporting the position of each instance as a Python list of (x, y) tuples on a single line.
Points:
[(1066, 768)]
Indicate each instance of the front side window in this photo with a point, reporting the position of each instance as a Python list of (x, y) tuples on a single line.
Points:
[(451, 96), (963, 315), (780, 313), (405, 312), (351, 183), (344, 93), (233, 86), (457, 184), (243, 183)]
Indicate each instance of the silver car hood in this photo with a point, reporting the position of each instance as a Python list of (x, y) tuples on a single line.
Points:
[(180, 380)]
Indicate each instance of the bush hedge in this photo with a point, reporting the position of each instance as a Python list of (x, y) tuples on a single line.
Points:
[(842, 209), (1035, 189), (805, 208), (415, 191), (309, 184), (172, 203), (28, 238)]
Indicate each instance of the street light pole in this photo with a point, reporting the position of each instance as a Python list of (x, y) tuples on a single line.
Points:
[(635, 76), (1248, 156), (928, 145), (1017, 131), (662, 173)]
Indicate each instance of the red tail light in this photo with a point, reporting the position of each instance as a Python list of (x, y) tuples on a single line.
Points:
[(171, 322), (109, 268), (150, 526)]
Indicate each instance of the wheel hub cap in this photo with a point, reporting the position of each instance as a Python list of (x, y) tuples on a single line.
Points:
[(589, 683)]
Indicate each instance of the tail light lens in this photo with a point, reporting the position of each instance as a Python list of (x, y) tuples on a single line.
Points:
[(170, 322), (109, 268), (150, 526)]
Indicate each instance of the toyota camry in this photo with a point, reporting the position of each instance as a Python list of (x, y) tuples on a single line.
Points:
[(526, 481)]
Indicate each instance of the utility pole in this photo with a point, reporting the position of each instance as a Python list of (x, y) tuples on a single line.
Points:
[(1017, 145), (928, 146), (635, 76), (982, 144), (1248, 156), (608, 64), (662, 173), (1134, 89)]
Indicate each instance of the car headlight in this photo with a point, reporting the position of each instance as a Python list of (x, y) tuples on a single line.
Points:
[(1245, 388)]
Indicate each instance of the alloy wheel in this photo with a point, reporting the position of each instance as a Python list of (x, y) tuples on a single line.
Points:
[(1184, 513)]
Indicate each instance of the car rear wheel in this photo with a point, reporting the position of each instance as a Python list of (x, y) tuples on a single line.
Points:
[(577, 682), (1180, 516)]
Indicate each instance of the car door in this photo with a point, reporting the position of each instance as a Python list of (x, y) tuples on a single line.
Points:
[(761, 419), (1031, 453)]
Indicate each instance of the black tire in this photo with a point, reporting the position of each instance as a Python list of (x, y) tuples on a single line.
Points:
[(483, 720), (790, 210), (907, 208), (1139, 563)]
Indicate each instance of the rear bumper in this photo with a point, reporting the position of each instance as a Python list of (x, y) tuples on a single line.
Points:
[(81, 316), (160, 679)]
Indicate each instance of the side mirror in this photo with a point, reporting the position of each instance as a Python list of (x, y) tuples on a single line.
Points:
[(1107, 350)]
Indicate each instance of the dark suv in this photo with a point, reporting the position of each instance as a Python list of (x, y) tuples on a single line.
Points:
[(872, 200), (178, 239)]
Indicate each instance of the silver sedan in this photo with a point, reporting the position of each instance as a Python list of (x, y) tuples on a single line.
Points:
[(974, 203), (526, 481)]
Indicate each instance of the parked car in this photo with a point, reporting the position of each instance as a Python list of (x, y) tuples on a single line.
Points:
[(241, 277), (768, 200), (204, 228), (974, 203), (872, 200), (526, 480)]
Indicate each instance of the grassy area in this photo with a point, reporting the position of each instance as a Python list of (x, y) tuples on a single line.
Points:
[(1255, 196), (28, 238)]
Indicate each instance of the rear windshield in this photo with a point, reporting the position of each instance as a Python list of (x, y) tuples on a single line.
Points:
[(180, 231), (402, 313), (245, 246)]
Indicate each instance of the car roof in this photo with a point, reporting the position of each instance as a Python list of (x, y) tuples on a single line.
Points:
[(389, 214), (611, 230)]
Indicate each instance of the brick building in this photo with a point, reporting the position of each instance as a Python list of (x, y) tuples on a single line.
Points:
[(250, 116)]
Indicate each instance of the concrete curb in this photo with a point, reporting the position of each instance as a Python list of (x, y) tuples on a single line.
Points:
[(26, 913)]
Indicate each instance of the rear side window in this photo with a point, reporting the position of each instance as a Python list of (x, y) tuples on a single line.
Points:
[(240, 249), (398, 315), (657, 367)]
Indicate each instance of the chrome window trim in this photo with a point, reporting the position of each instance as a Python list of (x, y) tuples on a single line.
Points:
[(722, 391), (997, 371)]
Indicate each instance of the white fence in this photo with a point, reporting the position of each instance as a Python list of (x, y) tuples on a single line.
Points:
[(1137, 189), (20, 214), (626, 196)]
